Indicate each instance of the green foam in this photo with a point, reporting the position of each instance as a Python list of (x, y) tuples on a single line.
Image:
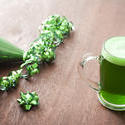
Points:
[(114, 50)]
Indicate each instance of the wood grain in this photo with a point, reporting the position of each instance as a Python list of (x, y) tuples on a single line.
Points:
[(65, 98)]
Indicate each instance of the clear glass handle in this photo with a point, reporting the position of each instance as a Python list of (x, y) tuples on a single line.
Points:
[(83, 64)]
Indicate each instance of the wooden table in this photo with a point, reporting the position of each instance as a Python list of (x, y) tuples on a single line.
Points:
[(65, 98)]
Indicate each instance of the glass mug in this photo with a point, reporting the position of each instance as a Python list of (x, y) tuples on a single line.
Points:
[(111, 88)]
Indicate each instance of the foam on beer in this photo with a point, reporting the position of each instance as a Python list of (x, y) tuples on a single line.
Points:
[(114, 50)]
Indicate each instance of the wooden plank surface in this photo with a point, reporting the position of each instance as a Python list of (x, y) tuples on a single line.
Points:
[(65, 98)]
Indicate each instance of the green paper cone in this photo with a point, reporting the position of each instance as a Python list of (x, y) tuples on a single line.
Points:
[(9, 52)]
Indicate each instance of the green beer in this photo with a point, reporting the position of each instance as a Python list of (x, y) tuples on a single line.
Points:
[(112, 72), (111, 87)]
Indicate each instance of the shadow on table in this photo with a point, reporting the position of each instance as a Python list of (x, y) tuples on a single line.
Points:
[(11, 64), (120, 116)]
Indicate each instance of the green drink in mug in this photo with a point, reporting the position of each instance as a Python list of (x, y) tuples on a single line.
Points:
[(111, 88)]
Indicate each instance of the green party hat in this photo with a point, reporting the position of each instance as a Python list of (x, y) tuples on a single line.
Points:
[(9, 52)]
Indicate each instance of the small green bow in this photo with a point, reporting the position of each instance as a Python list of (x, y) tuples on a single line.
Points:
[(28, 99)]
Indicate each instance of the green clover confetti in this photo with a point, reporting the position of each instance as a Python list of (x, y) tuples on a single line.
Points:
[(53, 31), (42, 50), (10, 81)]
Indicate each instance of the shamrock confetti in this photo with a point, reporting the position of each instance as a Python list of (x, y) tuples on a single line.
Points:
[(53, 31), (10, 81)]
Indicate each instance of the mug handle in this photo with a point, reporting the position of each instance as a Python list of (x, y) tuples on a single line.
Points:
[(83, 64)]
